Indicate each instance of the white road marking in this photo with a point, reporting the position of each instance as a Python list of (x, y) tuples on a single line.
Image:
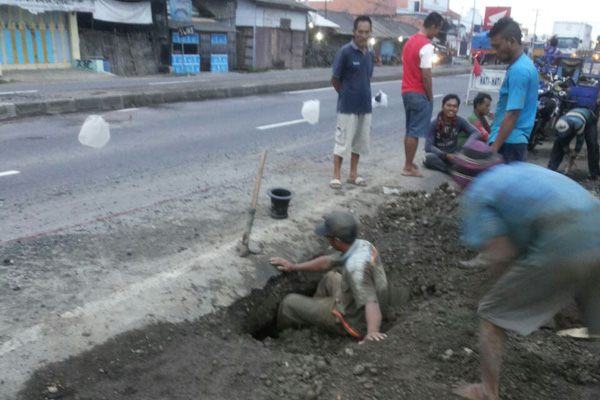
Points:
[(17, 92), (435, 96), (294, 122), (176, 82), (386, 82), (127, 110), (462, 75), (8, 173)]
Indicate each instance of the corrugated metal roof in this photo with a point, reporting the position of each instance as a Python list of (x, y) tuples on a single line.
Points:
[(397, 28), (382, 28), (286, 4), (320, 21), (343, 19)]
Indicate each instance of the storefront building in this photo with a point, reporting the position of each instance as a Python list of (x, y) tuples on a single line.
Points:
[(37, 35)]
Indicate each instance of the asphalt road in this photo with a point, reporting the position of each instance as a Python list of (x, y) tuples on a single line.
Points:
[(161, 153), (94, 242)]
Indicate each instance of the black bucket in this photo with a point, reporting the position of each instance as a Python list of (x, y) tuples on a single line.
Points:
[(280, 200)]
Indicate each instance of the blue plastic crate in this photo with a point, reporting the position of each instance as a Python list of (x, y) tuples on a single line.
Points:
[(176, 59), (585, 96), (219, 63)]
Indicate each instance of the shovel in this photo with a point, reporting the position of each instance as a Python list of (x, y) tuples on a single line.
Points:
[(244, 248)]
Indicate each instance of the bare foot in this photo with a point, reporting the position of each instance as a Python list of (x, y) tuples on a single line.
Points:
[(415, 166), (473, 391), (412, 173)]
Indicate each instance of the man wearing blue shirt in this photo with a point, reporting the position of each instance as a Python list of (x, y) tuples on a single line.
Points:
[(515, 113), (351, 78), (541, 233)]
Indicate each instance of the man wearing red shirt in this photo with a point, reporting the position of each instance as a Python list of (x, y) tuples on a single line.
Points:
[(417, 88)]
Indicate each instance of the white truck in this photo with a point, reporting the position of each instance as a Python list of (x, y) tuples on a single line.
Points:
[(574, 38)]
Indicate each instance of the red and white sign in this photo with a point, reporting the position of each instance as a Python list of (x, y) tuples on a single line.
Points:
[(493, 14)]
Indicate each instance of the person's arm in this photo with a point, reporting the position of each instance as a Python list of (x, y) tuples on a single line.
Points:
[(318, 264), (519, 82), (430, 146), (506, 127), (337, 70), (426, 64), (578, 145), (373, 317), (428, 83), (335, 82)]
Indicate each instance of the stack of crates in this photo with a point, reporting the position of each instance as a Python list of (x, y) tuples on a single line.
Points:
[(219, 63), (185, 63)]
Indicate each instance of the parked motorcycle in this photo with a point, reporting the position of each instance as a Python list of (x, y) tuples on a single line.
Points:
[(552, 103)]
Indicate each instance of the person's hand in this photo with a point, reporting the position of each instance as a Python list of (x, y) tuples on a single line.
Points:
[(281, 263), (373, 336), (491, 114), (450, 158)]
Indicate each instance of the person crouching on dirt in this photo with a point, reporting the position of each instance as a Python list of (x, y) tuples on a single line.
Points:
[(578, 123), (541, 232), (349, 302), (442, 139)]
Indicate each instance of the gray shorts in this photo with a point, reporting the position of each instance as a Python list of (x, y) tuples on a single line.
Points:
[(352, 133), (530, 293)]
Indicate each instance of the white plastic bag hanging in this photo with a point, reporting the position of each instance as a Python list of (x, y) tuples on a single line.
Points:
[(95, 132), (310, 111), (379, 100)]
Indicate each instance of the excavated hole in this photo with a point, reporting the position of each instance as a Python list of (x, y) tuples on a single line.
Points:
[(256, 314)]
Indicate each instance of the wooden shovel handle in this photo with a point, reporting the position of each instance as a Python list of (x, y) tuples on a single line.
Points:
[(259, 173)]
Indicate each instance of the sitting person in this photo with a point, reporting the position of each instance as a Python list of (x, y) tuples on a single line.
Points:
[(578, 123), (481, 110), (442, 138), (349, 302)]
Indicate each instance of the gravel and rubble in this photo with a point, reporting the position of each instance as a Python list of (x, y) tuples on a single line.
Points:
[(432, 336)]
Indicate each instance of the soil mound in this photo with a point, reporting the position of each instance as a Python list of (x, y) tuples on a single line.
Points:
[(432, 337)]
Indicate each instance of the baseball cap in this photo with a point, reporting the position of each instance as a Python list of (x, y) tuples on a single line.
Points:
[(340, 225), (474, 158)]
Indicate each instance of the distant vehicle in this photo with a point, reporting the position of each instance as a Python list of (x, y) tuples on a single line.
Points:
[(481, 49), (574, 38)]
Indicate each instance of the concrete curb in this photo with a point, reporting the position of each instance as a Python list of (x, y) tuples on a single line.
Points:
[(175, 94)]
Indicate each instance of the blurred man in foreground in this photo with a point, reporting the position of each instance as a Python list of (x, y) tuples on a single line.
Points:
[(541, 232)]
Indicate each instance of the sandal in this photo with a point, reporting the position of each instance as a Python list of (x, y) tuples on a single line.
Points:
[(335, 184), (358, 181)]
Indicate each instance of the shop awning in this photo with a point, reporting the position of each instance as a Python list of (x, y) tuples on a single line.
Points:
[(124, 13)]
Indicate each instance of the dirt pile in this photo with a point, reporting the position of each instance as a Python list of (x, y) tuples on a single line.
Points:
[(431, 345)]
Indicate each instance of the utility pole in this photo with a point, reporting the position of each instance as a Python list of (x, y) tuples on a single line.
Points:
[(534, 28), (472, 24)]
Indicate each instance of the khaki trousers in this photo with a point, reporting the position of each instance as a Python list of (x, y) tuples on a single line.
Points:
[(296, 310)]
